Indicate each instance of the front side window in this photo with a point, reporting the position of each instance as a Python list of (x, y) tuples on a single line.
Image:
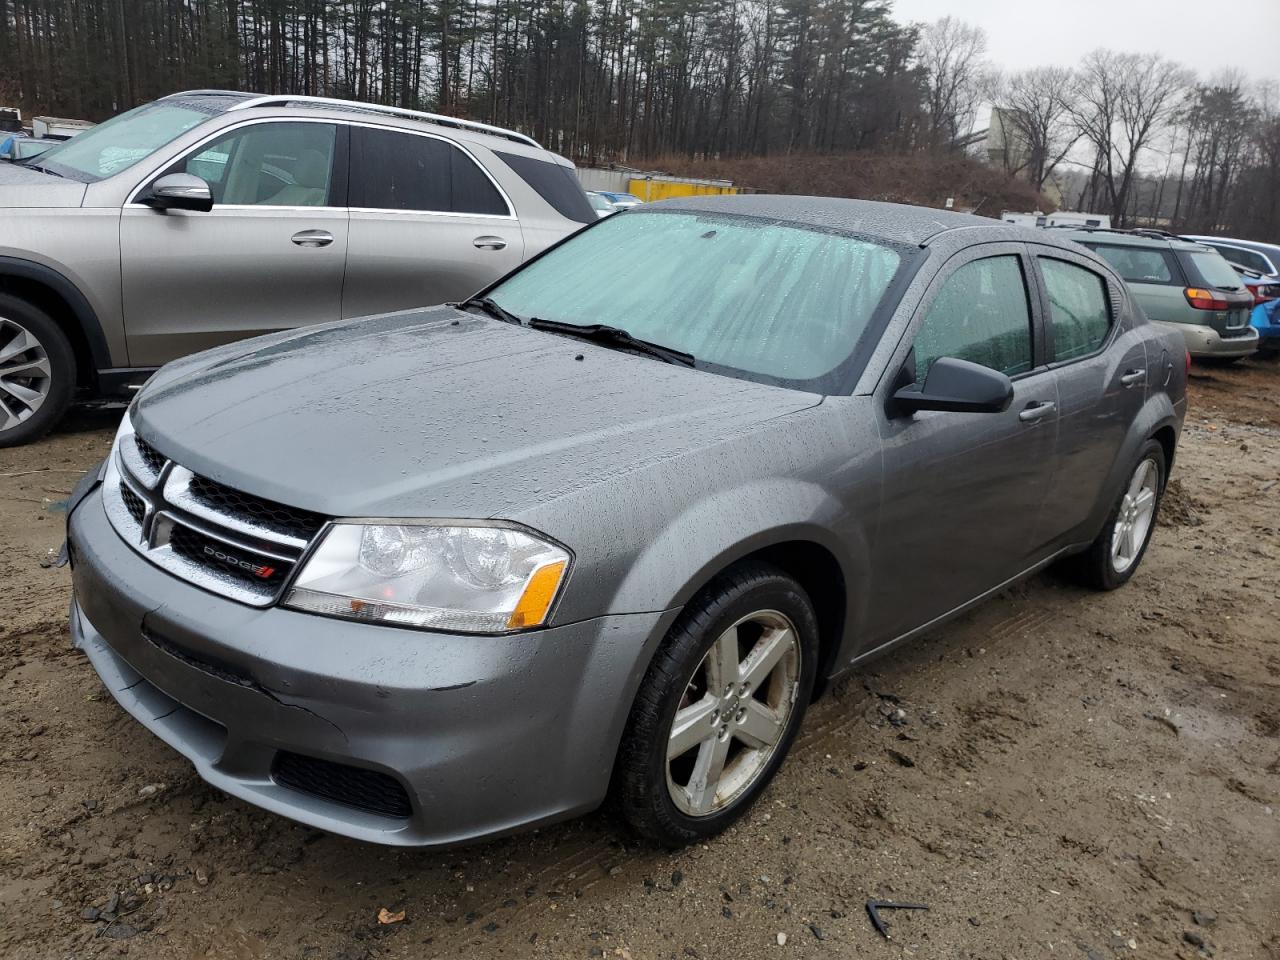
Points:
[(1078, 312), (1138, 264), (268, 164), (122, 141), (747, 297), (402, 171), (981, 314)]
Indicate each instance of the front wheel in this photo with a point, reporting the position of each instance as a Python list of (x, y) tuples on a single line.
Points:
[(719, 707), (1114, 556)]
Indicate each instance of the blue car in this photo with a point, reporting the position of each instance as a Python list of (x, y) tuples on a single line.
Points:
[(1266, 317)]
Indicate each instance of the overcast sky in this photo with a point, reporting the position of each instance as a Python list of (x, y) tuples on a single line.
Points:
[(1204, 36)]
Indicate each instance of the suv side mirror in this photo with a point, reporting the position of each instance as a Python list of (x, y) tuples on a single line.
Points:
[(954, 384), (180, 191)]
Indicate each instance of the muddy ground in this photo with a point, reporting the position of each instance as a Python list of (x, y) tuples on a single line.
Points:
[(1078, 776)]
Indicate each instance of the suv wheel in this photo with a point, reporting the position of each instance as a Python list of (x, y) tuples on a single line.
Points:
[(37, 372), (1114, 556), (719, 706)]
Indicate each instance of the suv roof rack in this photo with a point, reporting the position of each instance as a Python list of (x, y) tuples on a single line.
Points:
[(284, 100)]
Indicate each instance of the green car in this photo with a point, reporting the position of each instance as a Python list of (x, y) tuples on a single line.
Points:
[(1179, 282)]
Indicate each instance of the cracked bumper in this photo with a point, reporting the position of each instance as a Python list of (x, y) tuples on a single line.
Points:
[(487, 735)]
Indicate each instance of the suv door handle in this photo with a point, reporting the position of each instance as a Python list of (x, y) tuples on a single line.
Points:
[(312, 238), (1036, 409), (1131, 378), (489, 243)]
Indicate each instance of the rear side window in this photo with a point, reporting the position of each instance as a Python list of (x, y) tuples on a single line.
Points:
[(556, 184), (981, 314), (1078, 312), (1139, 264), (403, 171), (1215, 271)]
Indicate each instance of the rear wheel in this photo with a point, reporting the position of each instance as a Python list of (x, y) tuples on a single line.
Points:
[(1114, 556), (37, 372), (719, 707)]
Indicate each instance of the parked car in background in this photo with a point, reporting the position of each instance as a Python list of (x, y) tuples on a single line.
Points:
[(621, 200), (1182, 283), (601, 204), (1263, 258), (437, 575), (209, 216)]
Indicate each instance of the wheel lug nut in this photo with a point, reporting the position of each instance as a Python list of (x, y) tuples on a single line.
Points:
[(715, 717), (742, 714), (744, 689)]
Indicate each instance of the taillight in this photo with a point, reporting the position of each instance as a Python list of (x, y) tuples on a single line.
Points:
[(1264, 292), (1204, 299)]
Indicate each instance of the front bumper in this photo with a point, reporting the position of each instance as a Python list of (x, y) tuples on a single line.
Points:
[(486, 735), (1204, 341)]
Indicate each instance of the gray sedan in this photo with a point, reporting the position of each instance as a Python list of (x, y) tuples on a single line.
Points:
[(437, 575)]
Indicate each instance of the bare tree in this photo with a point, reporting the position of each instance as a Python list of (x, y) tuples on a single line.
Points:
[(1033, 110), (1122, 102), (951, 56)]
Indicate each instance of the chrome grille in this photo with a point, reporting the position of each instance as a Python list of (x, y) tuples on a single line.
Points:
[(226, 541)]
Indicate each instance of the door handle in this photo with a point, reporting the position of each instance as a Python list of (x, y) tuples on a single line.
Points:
[(312, 238), (1036, 409), (1132, 378), (489, 243)]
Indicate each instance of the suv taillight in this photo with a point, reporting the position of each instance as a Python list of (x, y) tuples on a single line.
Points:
[(1264, 292), (1204, 299)]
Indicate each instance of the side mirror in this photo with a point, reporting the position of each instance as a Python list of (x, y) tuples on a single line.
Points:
[(180, 191), (960, 385)]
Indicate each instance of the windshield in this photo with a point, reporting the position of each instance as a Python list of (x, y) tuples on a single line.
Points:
[(753, 298), (1216, 271), (120, 142)]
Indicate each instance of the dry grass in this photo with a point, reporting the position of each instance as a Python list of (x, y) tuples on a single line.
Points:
[(919, 178)]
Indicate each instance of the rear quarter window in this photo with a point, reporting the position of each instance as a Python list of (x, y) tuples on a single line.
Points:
[(555, 183)]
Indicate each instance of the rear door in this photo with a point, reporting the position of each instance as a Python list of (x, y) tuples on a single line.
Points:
[(269, 255), (428, 223), (1099, 359), (963, 491)]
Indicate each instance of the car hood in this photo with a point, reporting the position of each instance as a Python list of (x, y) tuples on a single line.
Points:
[(436, 413), (23, 187)]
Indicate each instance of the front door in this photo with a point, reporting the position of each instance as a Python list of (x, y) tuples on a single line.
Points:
[(428, 224), (963, 491), (268, 256)]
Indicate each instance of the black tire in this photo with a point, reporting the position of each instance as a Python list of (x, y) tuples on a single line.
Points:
[(58, 387), (1095, 567), (640, 788)]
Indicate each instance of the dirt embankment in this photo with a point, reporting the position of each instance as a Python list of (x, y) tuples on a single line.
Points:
[(1071, 775)]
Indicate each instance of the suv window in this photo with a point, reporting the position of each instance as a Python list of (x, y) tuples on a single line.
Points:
[(405, 171), (981, 314), (1139, 264), (268, 164), (554, 183), (1078, 312)]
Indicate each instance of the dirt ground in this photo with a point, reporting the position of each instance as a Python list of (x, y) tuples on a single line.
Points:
[(1073, 775)]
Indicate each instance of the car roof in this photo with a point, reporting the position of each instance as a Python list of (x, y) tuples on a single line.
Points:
[(229, 100), (1121, 238), (895, 222), (1257, 245)]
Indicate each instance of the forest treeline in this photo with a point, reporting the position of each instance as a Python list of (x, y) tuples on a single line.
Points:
[(706, 81)]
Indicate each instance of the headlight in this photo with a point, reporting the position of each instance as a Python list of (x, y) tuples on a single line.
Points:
[(471, 579)]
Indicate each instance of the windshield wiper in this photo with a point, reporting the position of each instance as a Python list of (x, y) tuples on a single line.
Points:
[(493, 309), (614, 336)]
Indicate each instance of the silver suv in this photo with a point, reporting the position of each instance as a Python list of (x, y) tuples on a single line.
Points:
[(212, 215)]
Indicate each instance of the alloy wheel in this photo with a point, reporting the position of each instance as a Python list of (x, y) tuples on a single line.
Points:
[(1137, 511), (734, 711), (25, 376)]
